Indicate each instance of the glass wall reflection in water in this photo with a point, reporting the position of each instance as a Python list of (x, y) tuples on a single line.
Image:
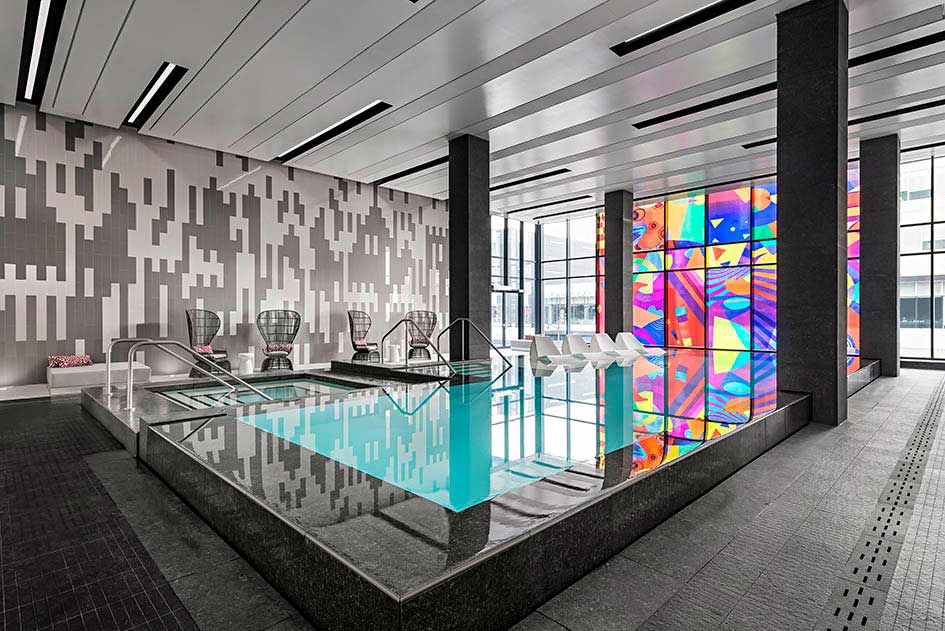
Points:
[(465, 444)]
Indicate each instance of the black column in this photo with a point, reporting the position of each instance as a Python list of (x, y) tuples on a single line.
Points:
[(879, 251), (812, 204), (618, 261), (470, 245)]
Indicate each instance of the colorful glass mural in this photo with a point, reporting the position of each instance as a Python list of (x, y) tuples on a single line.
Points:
[(685, 308), (764, 210), (685, 220), (853, 269), (648, 226), (729, 308), (764, 283), (648, 306), (730, 215)]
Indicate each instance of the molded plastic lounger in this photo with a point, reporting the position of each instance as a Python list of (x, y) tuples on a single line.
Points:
[(629, 342), (575, 346), (601, 343), (544, 351)]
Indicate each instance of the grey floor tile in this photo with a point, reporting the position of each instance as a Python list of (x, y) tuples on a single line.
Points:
[(232, 598), (618, 596), (538, 622), (678, 547)]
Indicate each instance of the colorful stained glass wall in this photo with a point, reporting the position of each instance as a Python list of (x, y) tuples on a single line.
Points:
[(704, 272), (705, 268), (853, 269)]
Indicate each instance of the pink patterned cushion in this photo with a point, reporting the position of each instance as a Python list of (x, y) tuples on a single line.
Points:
[(205, 349), (69, 361), (279, 347)]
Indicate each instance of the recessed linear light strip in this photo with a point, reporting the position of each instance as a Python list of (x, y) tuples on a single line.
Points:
[(674, 27), (159, 87), (41, 30), (168, 69), (531, 178), (547, 204), (865, 119), (37, 47), (335, 129), (568, 212), (412, 170)]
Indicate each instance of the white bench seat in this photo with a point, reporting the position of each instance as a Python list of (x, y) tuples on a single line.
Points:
[(72, 380)]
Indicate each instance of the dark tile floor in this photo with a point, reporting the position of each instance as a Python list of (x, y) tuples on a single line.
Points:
[(68, 558)]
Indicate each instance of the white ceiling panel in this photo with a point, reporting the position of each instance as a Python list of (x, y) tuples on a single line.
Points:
[(12, 18), (535, 77), (318, 40)]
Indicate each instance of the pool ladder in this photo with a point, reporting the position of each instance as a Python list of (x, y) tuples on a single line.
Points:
[(141, 342), (408, 322)]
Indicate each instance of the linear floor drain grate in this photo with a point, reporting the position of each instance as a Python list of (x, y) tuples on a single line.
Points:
[(859, 595)]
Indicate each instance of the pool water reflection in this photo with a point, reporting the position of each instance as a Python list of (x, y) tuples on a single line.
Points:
[(461, 445)]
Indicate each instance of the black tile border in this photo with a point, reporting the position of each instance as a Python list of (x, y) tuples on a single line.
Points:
[(493, 592)]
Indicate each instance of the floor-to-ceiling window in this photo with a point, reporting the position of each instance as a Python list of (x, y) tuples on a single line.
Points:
[(513, 280), (922, 259), (570, 276)]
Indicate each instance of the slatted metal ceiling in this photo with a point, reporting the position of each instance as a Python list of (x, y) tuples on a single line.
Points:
[(537, 77)]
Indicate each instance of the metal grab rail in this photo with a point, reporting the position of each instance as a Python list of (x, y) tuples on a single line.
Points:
[(108, 360), (478, 330), (160, 344), (423, 336)]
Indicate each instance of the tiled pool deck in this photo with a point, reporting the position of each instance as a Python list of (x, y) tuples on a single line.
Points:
[(760, 551)]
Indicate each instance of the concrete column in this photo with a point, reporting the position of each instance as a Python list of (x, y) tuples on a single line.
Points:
[(470, 245), (618, 261), (812, 204), (879, 251)]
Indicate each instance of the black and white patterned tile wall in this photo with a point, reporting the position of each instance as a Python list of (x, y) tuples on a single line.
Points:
[(106, 233)]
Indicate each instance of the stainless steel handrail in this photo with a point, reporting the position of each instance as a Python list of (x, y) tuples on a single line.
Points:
[(405, 322), (160, 344), (479, 331), (108, 360)]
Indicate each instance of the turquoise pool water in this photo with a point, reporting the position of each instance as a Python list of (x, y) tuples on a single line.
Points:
[(278, 389), (464, 444)]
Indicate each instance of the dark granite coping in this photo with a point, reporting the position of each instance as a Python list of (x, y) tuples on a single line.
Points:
[(153, 409), (600, 495)]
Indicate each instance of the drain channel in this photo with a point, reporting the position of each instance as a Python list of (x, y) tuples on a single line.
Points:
[(859, 595)]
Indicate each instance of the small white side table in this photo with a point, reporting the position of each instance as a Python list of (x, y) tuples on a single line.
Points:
[(246, 363)]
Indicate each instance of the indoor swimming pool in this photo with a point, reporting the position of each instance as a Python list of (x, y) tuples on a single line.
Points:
[(279, 389), (461, 445)]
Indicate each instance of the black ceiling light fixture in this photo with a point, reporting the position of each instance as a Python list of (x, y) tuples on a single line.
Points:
[(568, 212), (531, 178), (167, 76), (708, 105), (901, 111), (898, 49), (547, 204), (43, 19), (334, 130), (684, 23), (760, 143), (413, 170)]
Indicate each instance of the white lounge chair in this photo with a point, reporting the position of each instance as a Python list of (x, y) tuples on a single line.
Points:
[(629, 342), (575, 346), (543, 350), (601, 343)]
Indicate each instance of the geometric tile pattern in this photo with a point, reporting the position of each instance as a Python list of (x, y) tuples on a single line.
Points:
[(108, 233), (68, 557)]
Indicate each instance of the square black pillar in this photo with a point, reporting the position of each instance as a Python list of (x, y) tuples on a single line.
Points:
[(618, 262), (470, 245), (813, 45), (879, 251)]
